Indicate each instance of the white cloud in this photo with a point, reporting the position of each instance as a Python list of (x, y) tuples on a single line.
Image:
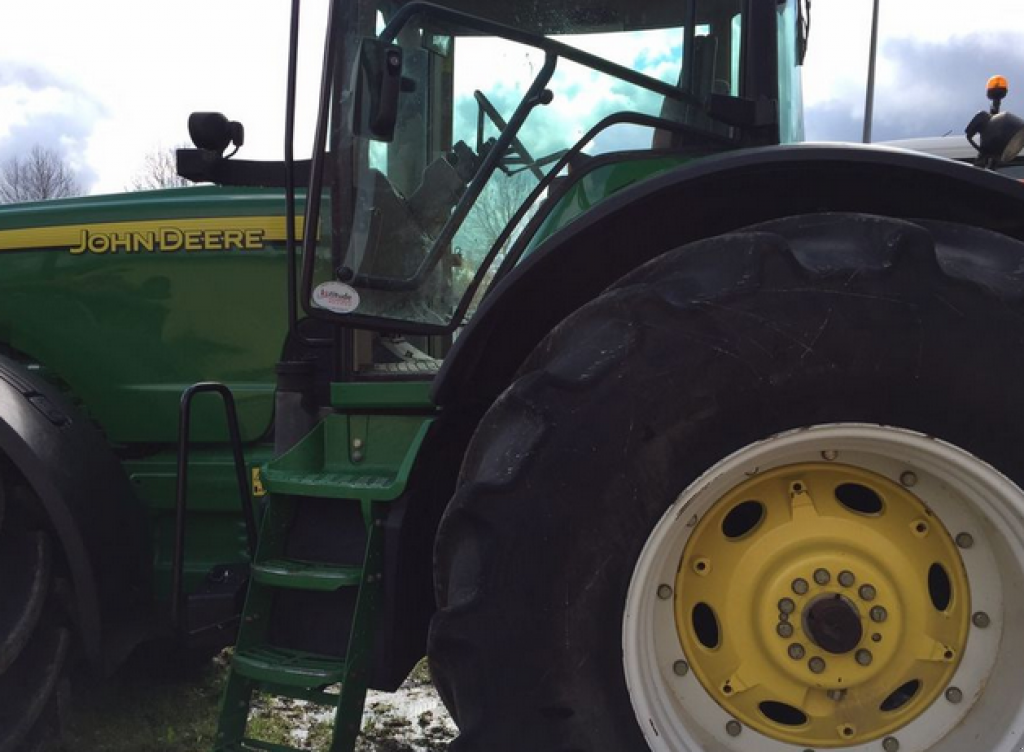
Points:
[(147, 65)]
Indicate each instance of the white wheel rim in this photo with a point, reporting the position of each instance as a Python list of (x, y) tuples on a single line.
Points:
[(675, 712)]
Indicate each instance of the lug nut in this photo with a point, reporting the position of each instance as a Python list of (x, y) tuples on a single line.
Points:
[(787, 606), (964, 540), (891, 744), (680, 668), (836, 695), (829, 454), (954, 695), (864, 657), (800, 586), (867, 592), (879, 614), (981, 620), (733, 728), (664, 592), (816, 665), (796, 651), (846, 578), (821, 576), (785, 629), (908, 478)]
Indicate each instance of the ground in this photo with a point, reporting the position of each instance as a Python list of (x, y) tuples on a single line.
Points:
[(155, 705)]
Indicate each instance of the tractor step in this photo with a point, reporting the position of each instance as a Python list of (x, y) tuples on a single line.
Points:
[(334, 461), (306, 575), (335, 482), (292, 668)]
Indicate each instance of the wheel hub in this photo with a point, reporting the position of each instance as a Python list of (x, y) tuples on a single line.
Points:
[(833, 624), (822, 604)]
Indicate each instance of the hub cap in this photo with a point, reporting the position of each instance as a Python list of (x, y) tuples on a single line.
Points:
[(842, 586), (810, 617)]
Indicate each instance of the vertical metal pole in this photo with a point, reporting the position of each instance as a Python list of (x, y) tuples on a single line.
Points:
[(869, 104)]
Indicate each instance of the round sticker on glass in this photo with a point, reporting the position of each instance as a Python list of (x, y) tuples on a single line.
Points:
[(336, 296)]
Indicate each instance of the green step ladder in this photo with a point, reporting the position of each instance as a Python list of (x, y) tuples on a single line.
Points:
[(336, 463)]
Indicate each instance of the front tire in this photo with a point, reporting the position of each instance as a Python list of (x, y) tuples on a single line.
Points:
[(35, 630), (709, 350)]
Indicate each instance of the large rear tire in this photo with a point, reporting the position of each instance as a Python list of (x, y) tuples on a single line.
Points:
[(564, 624), (35, 633)]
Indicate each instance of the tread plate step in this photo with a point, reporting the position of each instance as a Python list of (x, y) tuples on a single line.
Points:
[(292, 668), (331, 485), (306, 575)]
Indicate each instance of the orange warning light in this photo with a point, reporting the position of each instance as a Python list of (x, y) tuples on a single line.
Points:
[(997, 87)]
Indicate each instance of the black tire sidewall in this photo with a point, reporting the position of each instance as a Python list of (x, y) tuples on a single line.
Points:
[(909, 347)]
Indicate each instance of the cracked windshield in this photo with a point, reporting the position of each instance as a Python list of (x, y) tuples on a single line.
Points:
[(471, 144)]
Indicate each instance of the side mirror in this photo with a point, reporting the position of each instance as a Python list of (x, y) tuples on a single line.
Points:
[(378, 86), (1002, 136), (214, 132), (1001, 133)]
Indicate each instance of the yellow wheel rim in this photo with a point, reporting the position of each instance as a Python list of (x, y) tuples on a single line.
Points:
[(822, 604)]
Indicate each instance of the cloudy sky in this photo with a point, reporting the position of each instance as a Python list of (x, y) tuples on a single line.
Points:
[(107, 81)]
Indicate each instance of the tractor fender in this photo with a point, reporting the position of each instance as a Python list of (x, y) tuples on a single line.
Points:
[(88, 501), (702, 199)]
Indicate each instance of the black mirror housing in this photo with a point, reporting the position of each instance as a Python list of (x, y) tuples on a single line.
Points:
[(1002, 136), (211, 131), (378, 86)]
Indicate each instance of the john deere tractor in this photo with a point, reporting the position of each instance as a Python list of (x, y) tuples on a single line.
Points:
[(552, 363)]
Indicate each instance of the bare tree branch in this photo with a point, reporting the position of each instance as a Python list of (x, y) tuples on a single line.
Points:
[(41, 174), (498, 203), (159, 170)]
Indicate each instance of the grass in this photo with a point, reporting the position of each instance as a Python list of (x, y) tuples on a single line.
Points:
[(153, 704), (156, 703)]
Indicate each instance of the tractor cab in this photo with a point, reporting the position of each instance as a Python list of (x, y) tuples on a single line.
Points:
[(452, 137)]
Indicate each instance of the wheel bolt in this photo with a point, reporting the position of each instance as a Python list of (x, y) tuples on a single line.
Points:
[(787, 606), (867, 592), (891, 744), (829, 454), (816, 665), (680, 668), (908, 478), (981, 620), (664, 592), (846, 579), (800, 586), (733, 728), (964, 540), (954, 695), (821, 576), (785, 629), (879, 614), (864, 657), (796, 651), (836, 695)]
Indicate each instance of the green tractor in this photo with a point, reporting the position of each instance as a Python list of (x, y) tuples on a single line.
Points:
[(652, 433)]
